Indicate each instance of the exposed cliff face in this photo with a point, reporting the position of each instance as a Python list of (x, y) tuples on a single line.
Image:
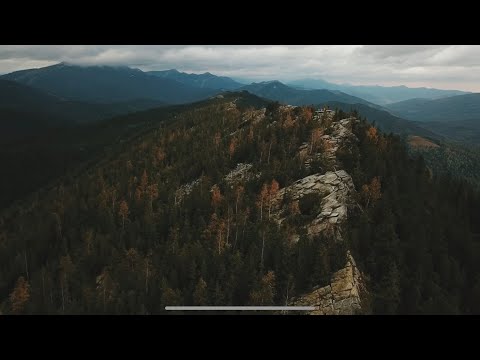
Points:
[(343, 296)]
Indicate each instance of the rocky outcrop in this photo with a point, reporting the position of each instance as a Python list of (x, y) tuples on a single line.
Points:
[(254, 116), (185, 190), (335, 205), (241, 173), (341, 297), (231, 105), (335, 187)]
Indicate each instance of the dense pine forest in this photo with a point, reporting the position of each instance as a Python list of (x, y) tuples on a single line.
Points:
[(182, 213), (420, 242), (453, 160)]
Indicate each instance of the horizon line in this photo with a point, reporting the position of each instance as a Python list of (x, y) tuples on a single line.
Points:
[(247, 80)]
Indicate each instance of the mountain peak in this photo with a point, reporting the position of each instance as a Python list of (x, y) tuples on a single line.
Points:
[(106, 84), (271, 83), (274, 82), (203, 80)]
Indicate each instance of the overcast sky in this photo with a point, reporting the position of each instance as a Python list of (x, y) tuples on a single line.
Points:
[(439, 66)]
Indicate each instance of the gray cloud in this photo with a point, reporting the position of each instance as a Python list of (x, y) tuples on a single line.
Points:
[(441, 66)]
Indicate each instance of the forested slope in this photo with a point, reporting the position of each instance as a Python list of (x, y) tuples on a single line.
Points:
[(194, 210)]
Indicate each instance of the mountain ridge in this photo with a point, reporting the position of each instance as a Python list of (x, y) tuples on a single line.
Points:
[(106, 84), (204, 80), (381, 95), (460, 107), (278, 91)]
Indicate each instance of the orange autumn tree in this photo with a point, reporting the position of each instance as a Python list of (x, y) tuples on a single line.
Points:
[(382, 143), (266, 196), (315, 139), (217, 138), (372, 192), (160, 155), (216, 197), (20, 295), (216, 229), (273, 190), (307, 113), (123, 212), (265, 291), (142, 187), (239, 190), (250, 134), (372, 134), (212, 225), (105, 288), (289, 121), (232, 147), (221, 238), (144, 181), (152, 191)]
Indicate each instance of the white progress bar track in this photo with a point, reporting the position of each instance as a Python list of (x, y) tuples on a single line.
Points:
[(240, 308)]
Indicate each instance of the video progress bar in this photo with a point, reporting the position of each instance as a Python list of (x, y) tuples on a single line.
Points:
[(240, 308)]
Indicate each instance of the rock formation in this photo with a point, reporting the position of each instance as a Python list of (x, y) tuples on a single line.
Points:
[(341, 297)]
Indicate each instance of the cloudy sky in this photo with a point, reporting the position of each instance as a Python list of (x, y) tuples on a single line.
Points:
[(439, 66)]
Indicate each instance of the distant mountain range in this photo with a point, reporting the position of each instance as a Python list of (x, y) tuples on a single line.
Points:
[(455, 108), (456, 117), (275, 90), (204, 81), (106, 84), (112, 84), (380, 95), (62, 95)]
